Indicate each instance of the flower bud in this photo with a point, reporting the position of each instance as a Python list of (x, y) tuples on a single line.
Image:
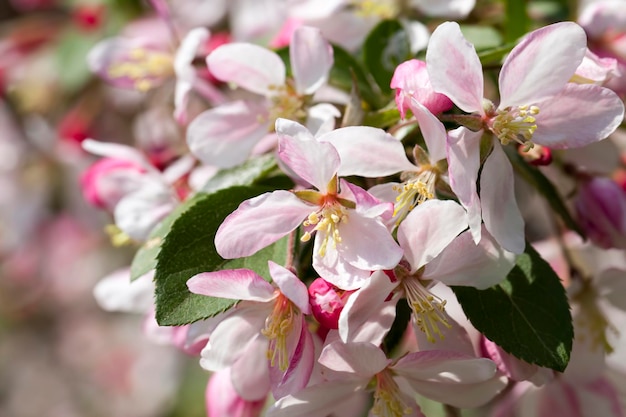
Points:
[(108, 180), (410, 80), (327, 301), (601, 209)]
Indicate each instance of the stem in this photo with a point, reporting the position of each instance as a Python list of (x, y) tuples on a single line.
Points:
[(451, 411)]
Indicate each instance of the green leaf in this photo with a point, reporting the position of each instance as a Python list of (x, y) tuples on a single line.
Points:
[(189, 249), (543, 185), (517, 22), (382, 118), (495, 55), (341, 74), (527, 314), (386, 47), (482, 37), (145, 259), (245, 174), (71, 50)]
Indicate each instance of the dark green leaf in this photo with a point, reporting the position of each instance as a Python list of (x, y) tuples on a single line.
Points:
[(495, 55), (542, 184), (188, 249), (382, 118), (527, 314), (386, 47), (341, 76), (245, 174)]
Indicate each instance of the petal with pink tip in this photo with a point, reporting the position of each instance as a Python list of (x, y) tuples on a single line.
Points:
[(311, 59), (541, 65), (221, 397), (225, 135), (290, 285), (315, 162), (428, 229), (577, 116), (235, 284), (251, 67), (463, 149), (259, 222), (362, 360), (368, 151), (497, 199), (117, 151), (463, 262), (454, 68)]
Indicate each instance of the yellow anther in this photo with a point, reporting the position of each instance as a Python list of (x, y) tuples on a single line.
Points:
[(388, 401), (326, 222), (428, 309), (143, 67), (278, 326), (413, 192), (386, 9), (516, 124), (286, 104)]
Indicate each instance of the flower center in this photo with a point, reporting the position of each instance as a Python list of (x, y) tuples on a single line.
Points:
[(388, 401), (515, 124), (386, 9), (326, 222), (286, 103), (428, 309), (413, 192), (144, 67), (278, 325)]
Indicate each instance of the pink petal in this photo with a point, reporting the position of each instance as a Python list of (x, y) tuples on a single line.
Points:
[(360, 360), (235, 284), (541, 65), (315, 162), (499, 208), (321, 118), (259, 222), (116, 292), (463, 262), (300, 368), (454, 68), (225, 135), (311, 59), (315, 401), (444, 366), (433, 131), (463, 149), (290, 285), (250, 372), (577, 116), (361, 319), (117, 151), (251, 67), (368, 151), (222, 399), (428, 229)]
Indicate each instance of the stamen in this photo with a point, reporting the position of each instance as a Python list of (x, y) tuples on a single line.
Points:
[(388, 401), (286, 104), (326, 221), (375, 8), (278, 325), (515, 124), (428, 309), (143, 67), (413, 192)]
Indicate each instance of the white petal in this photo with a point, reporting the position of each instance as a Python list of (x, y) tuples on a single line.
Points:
[(234, 284), (311, 59)]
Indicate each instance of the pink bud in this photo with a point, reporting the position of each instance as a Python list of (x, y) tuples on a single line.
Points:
[(283, 38), (108, 180), (537, 155), (410, 80), (601, 209), (222, 399), (327, 301), (89, 17)]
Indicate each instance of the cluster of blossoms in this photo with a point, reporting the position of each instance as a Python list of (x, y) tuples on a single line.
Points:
[(343, 211)]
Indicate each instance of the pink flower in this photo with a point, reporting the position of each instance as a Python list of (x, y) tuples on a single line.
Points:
[(410, 79), (223, 400), (350, 237), (537, 105), (226, 135), (601, 208), (268, 325)]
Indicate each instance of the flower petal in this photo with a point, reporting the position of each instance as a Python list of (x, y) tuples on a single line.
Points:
[(432, 129), (234, 284), (359, 360), (541, 65), (428, 229), (463, 262), (463, 149), (297, 376), (577, 116), (311, 59), (290, 285), (497, 199), (116, 292), (368, 151), (259, 222), (315, 401), (251, 67), (454, 68), (225, 135)]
